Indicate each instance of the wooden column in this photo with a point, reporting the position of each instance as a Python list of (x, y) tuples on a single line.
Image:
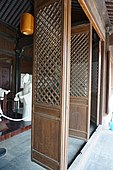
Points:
[(102, 89), (99, 83), (17, 66), (108, 81)]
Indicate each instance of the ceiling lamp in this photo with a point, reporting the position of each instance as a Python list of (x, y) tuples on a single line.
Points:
[(27, 24)]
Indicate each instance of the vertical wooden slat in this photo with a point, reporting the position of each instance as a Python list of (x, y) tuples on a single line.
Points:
[(99, 79), (66, 84), (89, 79), (102, 89)]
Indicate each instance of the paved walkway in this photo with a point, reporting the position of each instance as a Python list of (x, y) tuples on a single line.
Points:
[(97, 154), (18, 156)]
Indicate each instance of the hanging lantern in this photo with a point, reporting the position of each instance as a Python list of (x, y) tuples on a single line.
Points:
[(27, 24)]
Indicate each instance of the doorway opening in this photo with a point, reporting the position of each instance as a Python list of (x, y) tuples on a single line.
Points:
[(84, 81)]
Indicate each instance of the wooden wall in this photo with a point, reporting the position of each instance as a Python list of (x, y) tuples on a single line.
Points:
[(26, 46), (25, 66), (12, 48), (24, 56), (7, 56)]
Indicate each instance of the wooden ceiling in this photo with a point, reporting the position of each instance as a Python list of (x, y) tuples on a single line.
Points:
[(109, 6), (11, 10)]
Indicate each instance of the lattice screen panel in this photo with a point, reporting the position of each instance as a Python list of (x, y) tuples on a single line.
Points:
[(79, 65), (48, 54)]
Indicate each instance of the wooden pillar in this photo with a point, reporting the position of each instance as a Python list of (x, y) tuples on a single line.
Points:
[(108, 81), (17, 65), (106, 72), (17, 73), (99, 83), (102, 89)]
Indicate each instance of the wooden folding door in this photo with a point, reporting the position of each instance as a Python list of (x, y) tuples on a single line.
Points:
[(51, 78), (80, 87)]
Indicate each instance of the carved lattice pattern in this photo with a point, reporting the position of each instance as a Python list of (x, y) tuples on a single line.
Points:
[(48, 54), (79, 65)]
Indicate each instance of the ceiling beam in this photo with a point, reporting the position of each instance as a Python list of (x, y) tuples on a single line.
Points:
[(111, 18), (26, 41), (110, 14), (110, 6), (108, 1), (110, 10)]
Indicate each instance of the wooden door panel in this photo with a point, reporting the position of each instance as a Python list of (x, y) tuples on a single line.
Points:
[(51, 70), (80, 81), (50, 128), (46, 134), (78, 117)]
